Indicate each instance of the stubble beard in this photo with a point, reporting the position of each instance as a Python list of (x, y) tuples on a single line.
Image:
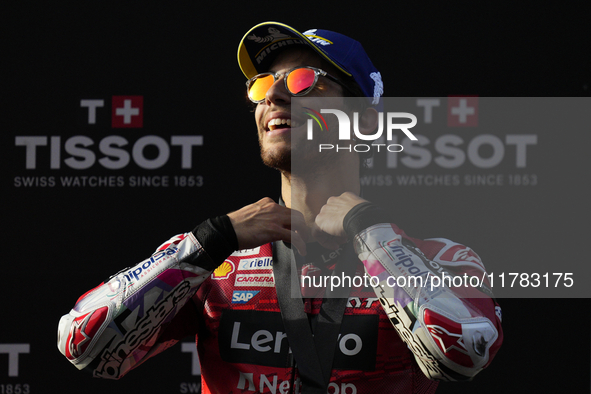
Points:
[(275, 158), (303, 160)]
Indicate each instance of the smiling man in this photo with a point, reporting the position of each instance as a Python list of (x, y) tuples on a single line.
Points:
[(263, 322)]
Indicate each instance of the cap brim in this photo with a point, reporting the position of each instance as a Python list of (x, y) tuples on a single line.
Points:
[(259, 47)]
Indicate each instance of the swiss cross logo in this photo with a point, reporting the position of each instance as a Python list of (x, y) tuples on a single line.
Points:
[(462, 111), (127, 111)]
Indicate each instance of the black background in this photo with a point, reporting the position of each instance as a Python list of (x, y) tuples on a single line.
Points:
[(181, 57)]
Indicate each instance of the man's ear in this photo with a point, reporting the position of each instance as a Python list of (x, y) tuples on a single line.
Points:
[(368, 121)]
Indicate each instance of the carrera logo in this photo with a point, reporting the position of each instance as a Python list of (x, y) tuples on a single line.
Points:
[(224, 270), (242, 297), (259, 338), (263, 280), (257, 263)]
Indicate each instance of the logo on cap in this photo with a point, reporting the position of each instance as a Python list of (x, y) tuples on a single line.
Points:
[(311, 34), (273, 36)]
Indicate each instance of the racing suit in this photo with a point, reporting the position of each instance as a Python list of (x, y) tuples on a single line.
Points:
[(397, 335)]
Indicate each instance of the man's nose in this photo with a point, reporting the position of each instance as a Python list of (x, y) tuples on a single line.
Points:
[(277, 93)]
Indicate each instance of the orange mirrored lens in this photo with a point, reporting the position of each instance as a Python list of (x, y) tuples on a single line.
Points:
[(260, 86), (300, 79)]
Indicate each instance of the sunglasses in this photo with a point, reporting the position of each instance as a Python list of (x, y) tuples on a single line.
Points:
[(299, 81)]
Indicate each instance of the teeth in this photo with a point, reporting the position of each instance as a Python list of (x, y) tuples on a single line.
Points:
[(277, 122)]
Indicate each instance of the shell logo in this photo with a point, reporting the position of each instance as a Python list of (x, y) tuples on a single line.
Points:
[(224, 270)]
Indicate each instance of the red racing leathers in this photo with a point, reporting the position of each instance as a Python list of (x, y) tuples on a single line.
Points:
[(400, 336)]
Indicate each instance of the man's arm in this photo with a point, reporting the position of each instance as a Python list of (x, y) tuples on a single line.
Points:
[(116, 326), (127, 319), (454, 332)]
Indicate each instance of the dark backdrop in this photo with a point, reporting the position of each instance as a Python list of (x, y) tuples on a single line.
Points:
[(181, 59)]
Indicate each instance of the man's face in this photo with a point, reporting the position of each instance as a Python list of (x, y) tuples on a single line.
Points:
[(280, 134)]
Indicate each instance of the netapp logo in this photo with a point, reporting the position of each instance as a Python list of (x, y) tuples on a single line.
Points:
[(270, 383), (257, 337)]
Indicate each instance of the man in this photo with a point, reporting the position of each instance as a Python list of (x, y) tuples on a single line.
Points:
[(230, 280)]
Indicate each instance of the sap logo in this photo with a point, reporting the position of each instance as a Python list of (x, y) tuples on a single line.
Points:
[(242, 297), (257, 263)]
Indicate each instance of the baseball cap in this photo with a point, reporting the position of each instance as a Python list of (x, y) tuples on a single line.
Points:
[(261, 44)]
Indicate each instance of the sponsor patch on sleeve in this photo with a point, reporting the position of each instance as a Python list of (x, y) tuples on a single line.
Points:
[(260, 280), (247, 252), (243, 296), (255, 263)]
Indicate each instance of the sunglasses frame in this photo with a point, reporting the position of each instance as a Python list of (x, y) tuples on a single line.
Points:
[(277, 75)]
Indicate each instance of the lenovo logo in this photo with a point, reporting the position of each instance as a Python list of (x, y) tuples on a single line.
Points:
[(257, 337)]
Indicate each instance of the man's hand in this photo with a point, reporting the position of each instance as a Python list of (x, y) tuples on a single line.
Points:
[(329, 231), (266, 221)]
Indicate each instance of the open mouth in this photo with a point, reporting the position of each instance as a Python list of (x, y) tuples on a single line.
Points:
[(281, 123)]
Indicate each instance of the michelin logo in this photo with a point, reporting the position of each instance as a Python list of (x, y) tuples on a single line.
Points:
[(242, 297), (257, 263), (274, 35)]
